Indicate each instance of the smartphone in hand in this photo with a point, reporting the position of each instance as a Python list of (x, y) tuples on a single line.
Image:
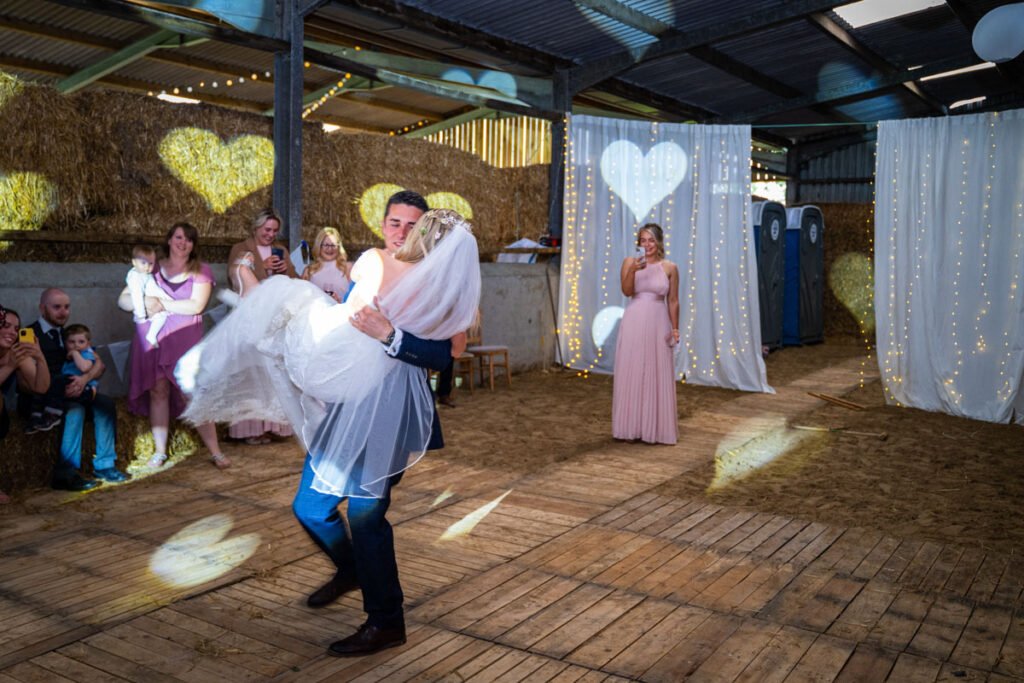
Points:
[(278, 252), (27, 335), (641, 256)]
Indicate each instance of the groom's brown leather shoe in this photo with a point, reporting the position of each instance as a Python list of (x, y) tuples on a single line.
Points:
[(367, 640), (331, 591)]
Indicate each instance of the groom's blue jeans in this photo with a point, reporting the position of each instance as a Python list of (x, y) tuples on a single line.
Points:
[(367, 556)]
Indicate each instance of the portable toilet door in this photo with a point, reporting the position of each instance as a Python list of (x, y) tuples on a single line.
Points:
[(803, 319), (769, 243)]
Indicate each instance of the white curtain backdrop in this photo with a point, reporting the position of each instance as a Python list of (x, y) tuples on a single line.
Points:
[(949, 264), (694, 181)]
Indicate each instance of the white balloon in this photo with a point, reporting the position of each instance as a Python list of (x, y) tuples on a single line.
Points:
[(999, 36)]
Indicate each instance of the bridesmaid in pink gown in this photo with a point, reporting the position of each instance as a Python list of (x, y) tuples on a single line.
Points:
[(644, 394), (152, 389)]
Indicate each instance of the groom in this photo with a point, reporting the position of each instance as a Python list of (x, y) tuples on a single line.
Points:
[(365, 557)]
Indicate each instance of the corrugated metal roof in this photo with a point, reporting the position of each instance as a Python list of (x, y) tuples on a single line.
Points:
[(763, 71)]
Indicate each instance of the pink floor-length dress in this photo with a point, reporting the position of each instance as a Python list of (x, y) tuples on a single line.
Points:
[(251, 429), (179, 334), (644, 392)]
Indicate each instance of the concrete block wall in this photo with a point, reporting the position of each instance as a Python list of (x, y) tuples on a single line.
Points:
[(516, 304)]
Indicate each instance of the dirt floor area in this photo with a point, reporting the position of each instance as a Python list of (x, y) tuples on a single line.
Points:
[(934, 477)]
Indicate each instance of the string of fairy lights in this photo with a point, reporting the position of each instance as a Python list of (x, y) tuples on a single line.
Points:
[(579, 203), (184, 91), (973, 298)]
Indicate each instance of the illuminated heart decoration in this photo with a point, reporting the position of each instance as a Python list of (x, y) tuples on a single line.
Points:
[(196, 554), (852, 280), (375, 198), (501, 82), (604, 323), (221, 173), (26, 199), (643, 181)]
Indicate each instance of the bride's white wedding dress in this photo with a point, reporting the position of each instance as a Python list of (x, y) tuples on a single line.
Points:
[(288, 353)]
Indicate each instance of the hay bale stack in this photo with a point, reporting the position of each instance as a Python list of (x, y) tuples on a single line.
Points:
[(125, 164), (849, 228)]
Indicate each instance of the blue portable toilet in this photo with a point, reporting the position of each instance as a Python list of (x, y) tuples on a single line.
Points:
[(769, 219), (802, 316)]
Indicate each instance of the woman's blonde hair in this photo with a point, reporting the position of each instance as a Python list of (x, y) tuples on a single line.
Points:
[(340, 259), (657, 233), (428, 231), (264, 216)]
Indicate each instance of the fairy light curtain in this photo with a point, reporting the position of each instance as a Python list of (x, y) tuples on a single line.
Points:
[(949, 260), (692, 180)]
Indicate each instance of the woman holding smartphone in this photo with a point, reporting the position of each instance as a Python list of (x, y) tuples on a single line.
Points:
[(250, 262), (644, 393), (21, 361)]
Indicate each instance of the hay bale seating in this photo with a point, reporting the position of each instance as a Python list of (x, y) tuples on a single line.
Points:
[(27, 460)]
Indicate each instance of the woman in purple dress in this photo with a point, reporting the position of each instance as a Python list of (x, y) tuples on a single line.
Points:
[(152, 389), (644, 392)]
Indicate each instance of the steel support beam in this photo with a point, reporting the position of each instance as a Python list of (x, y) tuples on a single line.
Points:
[(112, 63), (588, 75), (721, 61), (288, 79), (851, 91), (841, 35), (174, 22), (556, 170)]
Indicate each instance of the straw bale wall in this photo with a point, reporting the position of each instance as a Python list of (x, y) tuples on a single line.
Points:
[(100, 154), (849, 229)]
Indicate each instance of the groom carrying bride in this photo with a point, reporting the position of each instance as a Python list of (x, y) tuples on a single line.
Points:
[(365, 557)]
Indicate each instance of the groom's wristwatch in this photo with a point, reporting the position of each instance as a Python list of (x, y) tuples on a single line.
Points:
[(390, 338)]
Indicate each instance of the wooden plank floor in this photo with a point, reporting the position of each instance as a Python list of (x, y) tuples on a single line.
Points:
[(579, 572)]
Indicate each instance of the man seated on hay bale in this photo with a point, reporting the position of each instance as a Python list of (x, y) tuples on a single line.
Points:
[(60, 400)]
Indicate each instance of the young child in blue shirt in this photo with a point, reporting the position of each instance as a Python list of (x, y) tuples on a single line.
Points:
[(81, 357)]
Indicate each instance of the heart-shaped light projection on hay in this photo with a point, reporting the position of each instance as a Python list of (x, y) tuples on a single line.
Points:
[(375, 198), (852, 280), (26, 200), (641, 180), (198, 553), (10, 86), (221, 173)]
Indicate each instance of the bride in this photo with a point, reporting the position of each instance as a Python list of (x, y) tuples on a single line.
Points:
[(288, 352)]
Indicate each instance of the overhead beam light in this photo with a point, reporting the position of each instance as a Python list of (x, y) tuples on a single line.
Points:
[(957, 72), (964, 103), (868, 12), (166, 97)]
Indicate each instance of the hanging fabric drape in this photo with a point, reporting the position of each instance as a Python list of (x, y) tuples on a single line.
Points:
[(949, 264), (692, 180)]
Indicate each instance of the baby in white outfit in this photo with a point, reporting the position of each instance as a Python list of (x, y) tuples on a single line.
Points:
[(141, 284)]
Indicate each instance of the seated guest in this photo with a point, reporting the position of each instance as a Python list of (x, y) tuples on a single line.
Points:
[(330, 267), (81, 359), (21, 361), (54, 310)]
